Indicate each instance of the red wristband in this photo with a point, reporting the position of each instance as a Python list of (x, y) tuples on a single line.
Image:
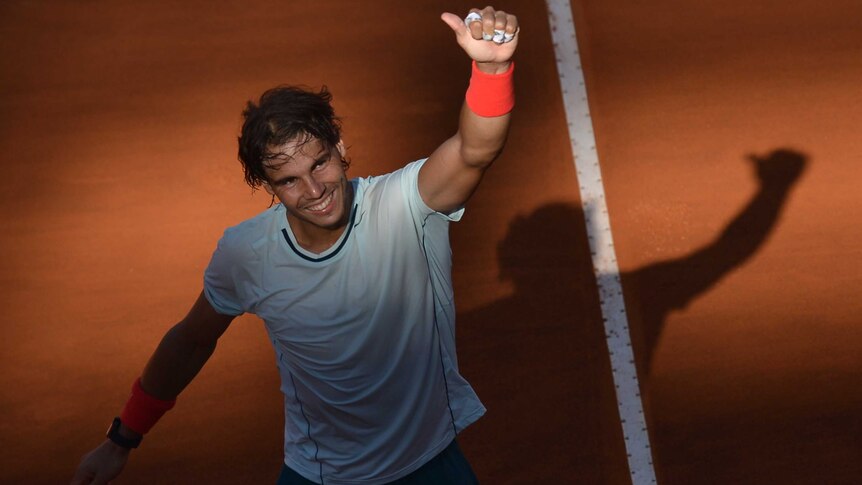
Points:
[(142, 410), (491, 94)]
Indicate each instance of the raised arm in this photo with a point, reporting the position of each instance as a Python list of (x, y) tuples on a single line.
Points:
[(451, 174), (181, 354)]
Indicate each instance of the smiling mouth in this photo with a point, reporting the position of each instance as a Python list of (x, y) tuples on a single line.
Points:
[(323, 205)]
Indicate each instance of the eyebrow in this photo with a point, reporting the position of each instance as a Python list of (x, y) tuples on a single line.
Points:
[(320, 155)]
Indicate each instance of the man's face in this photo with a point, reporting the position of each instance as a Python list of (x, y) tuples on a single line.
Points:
[(309, 179)]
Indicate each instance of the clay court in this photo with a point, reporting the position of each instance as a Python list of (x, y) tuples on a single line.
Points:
[(729, 140)]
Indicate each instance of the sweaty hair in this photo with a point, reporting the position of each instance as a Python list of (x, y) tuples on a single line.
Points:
[(283, 114)]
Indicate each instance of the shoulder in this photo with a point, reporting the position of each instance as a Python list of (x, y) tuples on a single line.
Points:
[(248, 234), (388, 189), (403, 179), (396, 194)]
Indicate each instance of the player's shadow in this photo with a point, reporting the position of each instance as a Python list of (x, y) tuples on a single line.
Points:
[(538, 358)]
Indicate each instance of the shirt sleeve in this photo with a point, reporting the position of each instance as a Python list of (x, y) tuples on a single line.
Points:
[(410, 188), (219, 281)]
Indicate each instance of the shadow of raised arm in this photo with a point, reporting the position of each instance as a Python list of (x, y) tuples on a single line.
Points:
[(673, 284)]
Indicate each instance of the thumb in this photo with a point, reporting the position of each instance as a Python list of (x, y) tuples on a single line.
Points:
[(454, 22)]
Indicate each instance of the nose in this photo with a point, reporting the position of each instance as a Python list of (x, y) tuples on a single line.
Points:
[(314, 188)]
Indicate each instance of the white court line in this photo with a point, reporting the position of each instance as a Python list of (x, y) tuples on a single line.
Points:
[(604, 257)]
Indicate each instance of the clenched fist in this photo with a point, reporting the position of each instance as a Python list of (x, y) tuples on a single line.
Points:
[(488, 36)]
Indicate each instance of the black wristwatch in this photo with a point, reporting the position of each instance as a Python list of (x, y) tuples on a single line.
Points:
[(115, 436)]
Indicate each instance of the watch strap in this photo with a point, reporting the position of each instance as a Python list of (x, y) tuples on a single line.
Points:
[(120, 440)]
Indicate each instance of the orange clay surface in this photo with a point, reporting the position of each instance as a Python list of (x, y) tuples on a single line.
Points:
[(729, 140)]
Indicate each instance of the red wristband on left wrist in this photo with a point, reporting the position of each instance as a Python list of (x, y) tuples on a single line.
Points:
[(142, 410)]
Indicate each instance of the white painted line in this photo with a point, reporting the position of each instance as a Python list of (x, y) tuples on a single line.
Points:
[(604, 259)]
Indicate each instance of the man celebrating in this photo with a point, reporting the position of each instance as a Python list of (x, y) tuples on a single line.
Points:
[(352, 280)]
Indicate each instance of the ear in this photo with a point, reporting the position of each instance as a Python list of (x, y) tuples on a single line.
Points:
[(341, 150)]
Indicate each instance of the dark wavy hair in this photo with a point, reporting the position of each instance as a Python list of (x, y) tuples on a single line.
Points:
[(284, 113)]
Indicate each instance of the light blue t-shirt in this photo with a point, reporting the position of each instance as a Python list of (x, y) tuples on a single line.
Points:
[(364, 333)]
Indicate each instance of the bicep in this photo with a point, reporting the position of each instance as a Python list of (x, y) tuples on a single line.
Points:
[(452, 173), (203, 324), (446, 182)]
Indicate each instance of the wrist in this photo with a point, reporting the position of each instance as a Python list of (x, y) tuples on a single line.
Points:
[(128, 433), (123, 437), (493, 67), (143, 410), (491, 94)]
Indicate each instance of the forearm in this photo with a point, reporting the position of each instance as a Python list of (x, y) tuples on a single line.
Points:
[(175, 362), (180, 355), (480, 139)]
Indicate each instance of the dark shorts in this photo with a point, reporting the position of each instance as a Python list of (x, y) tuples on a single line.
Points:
[(449, 467)]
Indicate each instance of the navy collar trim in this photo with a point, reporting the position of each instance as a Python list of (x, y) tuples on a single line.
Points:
[(333, 253)]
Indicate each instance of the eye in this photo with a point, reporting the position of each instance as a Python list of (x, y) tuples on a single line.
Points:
[(321, 163), (288, 182)]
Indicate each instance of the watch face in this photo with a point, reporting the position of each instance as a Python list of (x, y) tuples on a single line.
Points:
[(115, 425)]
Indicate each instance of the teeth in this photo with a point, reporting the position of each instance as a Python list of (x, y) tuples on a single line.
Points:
[(323, 204)]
